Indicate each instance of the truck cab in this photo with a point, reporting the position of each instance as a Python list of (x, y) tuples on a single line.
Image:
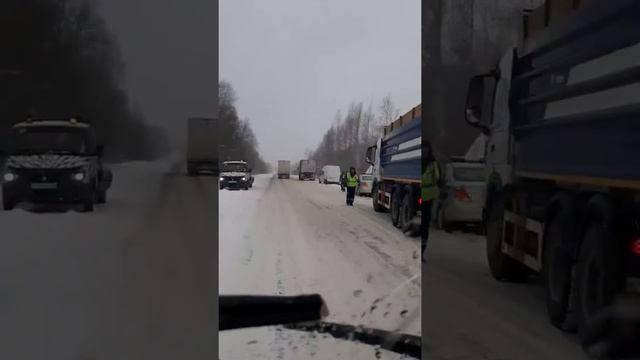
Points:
[(236, 174), (54, 161)]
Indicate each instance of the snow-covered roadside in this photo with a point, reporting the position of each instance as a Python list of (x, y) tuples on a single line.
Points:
[(292, 237)]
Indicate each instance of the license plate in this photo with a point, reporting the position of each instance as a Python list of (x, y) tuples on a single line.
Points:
[(232, 182), (44, 186)]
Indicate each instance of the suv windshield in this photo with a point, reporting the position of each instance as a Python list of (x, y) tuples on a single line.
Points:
[(234, 167), (49, 139)]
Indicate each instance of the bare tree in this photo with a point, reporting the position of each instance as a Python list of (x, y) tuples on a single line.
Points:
[(387, 111)]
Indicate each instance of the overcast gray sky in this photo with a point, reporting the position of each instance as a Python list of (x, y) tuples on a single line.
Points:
[(294, 63), (170, 51)]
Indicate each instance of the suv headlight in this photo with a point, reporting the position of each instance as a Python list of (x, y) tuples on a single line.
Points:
[(244, 178), (79, 176), (221, 178), (9, 176)]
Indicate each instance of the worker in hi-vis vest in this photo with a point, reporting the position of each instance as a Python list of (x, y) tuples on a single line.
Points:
[(352, 182), (430, 190)]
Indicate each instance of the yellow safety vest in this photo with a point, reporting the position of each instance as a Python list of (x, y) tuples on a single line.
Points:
[(352, 181), (430, 179)]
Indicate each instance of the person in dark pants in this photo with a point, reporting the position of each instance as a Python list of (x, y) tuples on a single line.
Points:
[(430, 190), (352, 183), (343, 181)]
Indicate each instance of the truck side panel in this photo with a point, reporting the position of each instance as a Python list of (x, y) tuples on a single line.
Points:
[(400, 156), (576, 99)]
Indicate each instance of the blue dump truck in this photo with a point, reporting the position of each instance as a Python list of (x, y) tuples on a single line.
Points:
[(562, 116), (397, 168)]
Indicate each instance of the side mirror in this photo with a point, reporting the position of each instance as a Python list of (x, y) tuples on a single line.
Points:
[(371, 150), (100, 150), (479, 101)]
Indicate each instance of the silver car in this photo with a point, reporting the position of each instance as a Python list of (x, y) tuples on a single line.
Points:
[(366, 182), (462, 196)]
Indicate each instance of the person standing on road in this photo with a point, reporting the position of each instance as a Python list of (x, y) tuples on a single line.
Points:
[(351, 182), (430, 190), (343, 180)]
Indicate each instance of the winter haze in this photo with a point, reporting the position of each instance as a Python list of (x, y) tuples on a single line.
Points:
[(169, 50), (294, 64)]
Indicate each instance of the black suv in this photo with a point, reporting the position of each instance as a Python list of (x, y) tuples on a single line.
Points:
[(236, 175), (54, 161)]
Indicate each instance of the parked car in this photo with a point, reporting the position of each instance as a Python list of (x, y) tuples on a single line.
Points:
[(330, 174), (366, 182), (462, 195)]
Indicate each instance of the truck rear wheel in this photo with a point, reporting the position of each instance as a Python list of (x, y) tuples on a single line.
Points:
[(374, 198), (596, 273), (395, 210), (407, 210), (502, 267), (557, 264)]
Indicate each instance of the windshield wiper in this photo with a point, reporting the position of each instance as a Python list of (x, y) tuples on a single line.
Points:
[(304, 313), (405, 344)]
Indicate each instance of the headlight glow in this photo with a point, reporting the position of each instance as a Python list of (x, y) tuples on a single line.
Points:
[(78, 176), (221, 178), (9, 176), (244, 178)]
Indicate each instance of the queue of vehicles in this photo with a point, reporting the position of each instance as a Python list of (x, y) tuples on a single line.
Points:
[(562, 172)]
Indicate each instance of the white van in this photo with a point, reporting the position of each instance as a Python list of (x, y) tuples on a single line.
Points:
[(330, 174)]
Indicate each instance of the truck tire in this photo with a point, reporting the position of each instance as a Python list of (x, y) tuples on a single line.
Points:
[(102, 197), (597, 280), (503, 268), (407, 210), (557, 263), (395, 210), (7, 203), (374, 198)]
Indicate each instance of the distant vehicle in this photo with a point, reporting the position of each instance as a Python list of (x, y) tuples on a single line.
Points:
[(284, 169), (330, 174), (54, 161), (462, 197), (563, 176), (307, 170), (397, 170), (366, 182), (236, 175), (202, 148)]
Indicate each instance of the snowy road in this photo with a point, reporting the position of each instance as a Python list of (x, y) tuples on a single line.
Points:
[(290, 237), (133, 280), (469, 315)]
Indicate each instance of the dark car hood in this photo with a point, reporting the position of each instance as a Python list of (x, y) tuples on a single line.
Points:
[(48, 161)]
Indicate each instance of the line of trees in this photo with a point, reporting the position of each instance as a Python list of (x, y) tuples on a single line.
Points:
[(346, 142), (59, 60), (237, 139), (460, 39)]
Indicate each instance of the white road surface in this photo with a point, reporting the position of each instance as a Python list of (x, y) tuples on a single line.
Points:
[(133, 280), (291, 237)]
